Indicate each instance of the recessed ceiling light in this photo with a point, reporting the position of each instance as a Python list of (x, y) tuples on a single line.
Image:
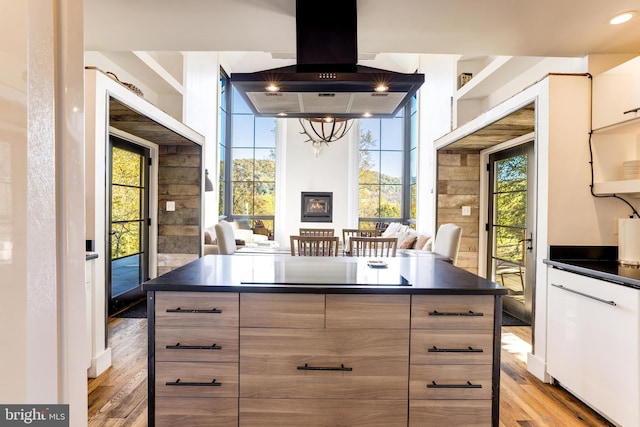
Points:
[(281, 114), (367, 114), (272, 87), (381, 88), (622, 18)]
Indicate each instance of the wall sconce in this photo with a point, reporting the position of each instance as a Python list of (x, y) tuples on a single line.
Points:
[(208, 185)]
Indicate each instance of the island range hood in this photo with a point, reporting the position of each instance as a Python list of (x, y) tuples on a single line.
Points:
[(326, 81)]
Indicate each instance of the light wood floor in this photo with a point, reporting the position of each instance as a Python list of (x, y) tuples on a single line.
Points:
[(119, 396)]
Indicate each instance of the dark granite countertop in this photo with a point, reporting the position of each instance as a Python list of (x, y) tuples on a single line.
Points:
[(600, 262), (426, 274)]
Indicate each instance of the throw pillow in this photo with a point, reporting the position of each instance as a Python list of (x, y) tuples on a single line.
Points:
[(422, 241), (207, 238), (409, 241)]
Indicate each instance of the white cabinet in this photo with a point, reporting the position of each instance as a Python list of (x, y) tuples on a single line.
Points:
[(616, 124), (616, 95), (593, 345)]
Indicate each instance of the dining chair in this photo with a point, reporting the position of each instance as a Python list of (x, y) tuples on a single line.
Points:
[(373, 246), (314, 245), (317, 232), (225, 237), (347, 233), (447, 241)]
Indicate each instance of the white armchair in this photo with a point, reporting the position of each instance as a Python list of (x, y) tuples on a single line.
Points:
[(447, 241)]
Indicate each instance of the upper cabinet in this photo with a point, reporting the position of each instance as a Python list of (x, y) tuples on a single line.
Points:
[(616, 129), (616, 95)]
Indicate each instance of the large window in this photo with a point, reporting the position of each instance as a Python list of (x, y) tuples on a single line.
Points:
[(387, 150), (224, 118), (251, 165)]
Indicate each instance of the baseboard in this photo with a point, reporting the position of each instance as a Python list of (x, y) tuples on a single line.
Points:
[(99, 363), (538, 367)]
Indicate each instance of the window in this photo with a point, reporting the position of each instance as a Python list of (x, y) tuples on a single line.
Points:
[(223, 120), (388, 148), (251, 162)]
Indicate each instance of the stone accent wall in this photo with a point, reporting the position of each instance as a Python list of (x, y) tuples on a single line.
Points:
[(178, 181), (458, 186)]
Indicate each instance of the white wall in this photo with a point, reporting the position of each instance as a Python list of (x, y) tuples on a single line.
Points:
[(42, 256), (331, 171)]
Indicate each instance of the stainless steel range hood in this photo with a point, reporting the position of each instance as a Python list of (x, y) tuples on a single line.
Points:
[(326, 81)]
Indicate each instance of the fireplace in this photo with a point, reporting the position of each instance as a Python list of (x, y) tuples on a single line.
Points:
[(316, 207)]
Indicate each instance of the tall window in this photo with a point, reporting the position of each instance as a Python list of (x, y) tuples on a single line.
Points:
[(252, 164), (413, 161), (223, 121), (385, 154)]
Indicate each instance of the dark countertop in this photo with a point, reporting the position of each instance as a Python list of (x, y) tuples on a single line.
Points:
[(91, 255), (425, 274), (600, 262)]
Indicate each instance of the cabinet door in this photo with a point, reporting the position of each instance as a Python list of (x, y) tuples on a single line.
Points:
[(322, 413), (462, 312), (324, 363), (196, 309), (368, 311), (593, 343), (616, 93)]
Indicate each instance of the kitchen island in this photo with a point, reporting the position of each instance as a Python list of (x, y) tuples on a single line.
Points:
[(289, 341)]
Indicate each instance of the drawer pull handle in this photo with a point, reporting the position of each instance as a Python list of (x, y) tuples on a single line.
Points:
[(188, 310), (435, 349), (454, 313), (178, 346), (583, 294), (467, 385), (306, 367), (634, 110), (194, 384)]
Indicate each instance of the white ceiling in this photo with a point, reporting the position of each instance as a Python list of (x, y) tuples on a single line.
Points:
[(466, 27)]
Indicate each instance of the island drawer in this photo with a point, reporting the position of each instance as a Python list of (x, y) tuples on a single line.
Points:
[(196, 309), (196, 379), (447, 413), (196, 344), (437, 347), (452, 312), (368, 311), (322, 412), (262, 310), (450, 382), (196, 412), (324, 363)]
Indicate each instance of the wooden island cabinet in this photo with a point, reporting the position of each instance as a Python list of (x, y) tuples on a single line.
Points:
[(290, 341)]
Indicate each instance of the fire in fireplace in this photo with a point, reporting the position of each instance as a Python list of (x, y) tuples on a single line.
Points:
[(316, 207)]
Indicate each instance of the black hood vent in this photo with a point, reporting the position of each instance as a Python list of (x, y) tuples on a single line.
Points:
[(326, 81)]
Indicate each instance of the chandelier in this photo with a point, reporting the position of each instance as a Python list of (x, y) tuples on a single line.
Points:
[(324, 130)]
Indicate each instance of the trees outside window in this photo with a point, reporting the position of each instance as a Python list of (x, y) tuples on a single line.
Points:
[(386, 192)]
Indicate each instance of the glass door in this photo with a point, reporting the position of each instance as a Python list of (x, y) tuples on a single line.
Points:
[(510, 239), (128, 207)]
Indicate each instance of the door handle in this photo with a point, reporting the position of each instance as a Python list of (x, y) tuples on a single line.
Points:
[(529, 241)]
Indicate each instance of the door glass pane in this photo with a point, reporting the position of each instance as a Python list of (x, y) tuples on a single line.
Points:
[(509, 226), (127, 220)]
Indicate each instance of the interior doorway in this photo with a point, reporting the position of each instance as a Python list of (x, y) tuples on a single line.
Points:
[(510, 227), (128, 223)]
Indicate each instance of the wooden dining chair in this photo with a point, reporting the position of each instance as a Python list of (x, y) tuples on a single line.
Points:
[(347, 233), (314, 245), (317, 232), (373, 246)]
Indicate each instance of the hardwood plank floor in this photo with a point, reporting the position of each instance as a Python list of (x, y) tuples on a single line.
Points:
[(119, 396)]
